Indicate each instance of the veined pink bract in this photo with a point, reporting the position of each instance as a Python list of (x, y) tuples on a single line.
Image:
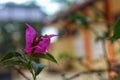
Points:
[(36, 44)]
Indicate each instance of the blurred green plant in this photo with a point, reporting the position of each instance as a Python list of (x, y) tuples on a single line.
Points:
[(21, 59), (79, 18), (116, 31)]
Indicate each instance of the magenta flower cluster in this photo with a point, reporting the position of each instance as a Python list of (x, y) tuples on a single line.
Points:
[(36, 44)]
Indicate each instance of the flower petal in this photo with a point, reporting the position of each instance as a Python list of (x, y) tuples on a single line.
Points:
[(44, 44), (39, 50), (30, 36)]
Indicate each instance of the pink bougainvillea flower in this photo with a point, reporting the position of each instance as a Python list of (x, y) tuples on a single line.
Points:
[(36, 44)]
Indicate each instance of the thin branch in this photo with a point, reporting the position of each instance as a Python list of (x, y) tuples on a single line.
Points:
[(104, 48), (20, 72), (87, 72)]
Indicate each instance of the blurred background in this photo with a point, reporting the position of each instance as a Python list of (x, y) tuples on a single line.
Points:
[(80, 48)]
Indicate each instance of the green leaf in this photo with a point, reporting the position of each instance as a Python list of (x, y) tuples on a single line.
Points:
[(12, 59), (48, 57), (7, 56), (37, 67), (116, 31), (15, 62)]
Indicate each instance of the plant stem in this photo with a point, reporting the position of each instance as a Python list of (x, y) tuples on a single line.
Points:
[(31, 70), (33, 75)]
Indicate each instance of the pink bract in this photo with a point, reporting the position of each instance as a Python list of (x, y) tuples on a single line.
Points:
[(36, 44)]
